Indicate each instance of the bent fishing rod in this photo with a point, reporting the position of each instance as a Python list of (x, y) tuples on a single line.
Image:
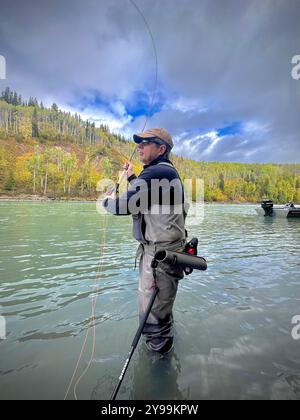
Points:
[(186, 259)]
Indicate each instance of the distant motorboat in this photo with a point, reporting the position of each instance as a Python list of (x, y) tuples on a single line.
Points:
[(268, 209)]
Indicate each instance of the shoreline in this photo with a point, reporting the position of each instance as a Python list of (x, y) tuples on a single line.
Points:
[(38, 198)]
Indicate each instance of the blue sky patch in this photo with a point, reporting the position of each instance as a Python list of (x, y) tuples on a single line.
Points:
[(139, 105), (230, 130), (92, 100)]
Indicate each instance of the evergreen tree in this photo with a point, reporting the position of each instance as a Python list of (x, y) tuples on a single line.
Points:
[(221, 182), (35, 127), (6, 95), (54, 107), (15, 99), (31, 102)]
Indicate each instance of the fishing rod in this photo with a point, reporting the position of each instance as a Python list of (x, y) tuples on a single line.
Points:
[(155, 85), (124, 173), (186, 259), (135, 343)]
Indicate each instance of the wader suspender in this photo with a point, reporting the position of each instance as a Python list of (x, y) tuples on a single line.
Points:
[(183, 201)]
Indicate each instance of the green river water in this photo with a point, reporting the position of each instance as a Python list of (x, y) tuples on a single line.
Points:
[(233, 323)]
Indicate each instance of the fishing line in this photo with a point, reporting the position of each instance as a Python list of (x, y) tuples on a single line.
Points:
[(92, 320), (156, 61), (92, 323), (94, 302), (155, 84)]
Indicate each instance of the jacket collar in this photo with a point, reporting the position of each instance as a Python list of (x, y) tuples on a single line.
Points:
[(158, 160)]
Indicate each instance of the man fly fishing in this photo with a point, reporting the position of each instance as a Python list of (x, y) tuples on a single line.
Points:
[(156, 201)]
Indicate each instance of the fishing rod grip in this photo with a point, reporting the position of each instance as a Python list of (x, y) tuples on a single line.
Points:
[(124, 172), (181, 259)]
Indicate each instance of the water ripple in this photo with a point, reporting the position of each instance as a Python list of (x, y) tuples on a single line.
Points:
[(232, 322)]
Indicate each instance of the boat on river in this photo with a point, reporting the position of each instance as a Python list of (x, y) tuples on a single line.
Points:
[(268, 209)]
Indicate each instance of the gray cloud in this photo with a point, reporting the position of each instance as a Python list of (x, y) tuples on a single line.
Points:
[(220, 62)]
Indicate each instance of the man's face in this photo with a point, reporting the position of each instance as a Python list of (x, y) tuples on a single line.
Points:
[(150, 151)]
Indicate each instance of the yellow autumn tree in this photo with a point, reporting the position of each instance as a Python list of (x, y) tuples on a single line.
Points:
[(23, 176), (25, 127)]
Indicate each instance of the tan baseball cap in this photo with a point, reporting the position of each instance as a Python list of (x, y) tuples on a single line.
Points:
[(160, 133)]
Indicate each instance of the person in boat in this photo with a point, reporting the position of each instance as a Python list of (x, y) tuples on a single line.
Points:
[(155, 228)]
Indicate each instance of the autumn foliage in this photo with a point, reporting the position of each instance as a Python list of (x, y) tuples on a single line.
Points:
[(47, 152)]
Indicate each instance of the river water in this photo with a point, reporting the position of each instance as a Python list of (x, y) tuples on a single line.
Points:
[(233, 323)]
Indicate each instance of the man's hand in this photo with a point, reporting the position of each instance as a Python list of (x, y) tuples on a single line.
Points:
[(129, 169)]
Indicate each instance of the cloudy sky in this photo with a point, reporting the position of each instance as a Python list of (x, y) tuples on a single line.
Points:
[(224, 89)]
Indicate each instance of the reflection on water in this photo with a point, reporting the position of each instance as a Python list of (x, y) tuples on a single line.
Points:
[(233, 322), (155, 377), (150, 377)]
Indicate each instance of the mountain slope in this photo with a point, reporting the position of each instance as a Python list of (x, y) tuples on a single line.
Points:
[(44, 151)]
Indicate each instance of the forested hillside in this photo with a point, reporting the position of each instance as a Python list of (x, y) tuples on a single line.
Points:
[(47, 152)]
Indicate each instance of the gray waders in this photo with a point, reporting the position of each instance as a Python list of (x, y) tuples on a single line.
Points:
[(158, 330)]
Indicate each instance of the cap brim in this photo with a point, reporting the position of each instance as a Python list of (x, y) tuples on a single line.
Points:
[(138, 138)]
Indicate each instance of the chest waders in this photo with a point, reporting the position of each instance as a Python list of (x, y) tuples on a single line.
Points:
[(180, 259)]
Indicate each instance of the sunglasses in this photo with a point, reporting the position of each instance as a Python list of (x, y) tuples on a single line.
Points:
[(149, 141)]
